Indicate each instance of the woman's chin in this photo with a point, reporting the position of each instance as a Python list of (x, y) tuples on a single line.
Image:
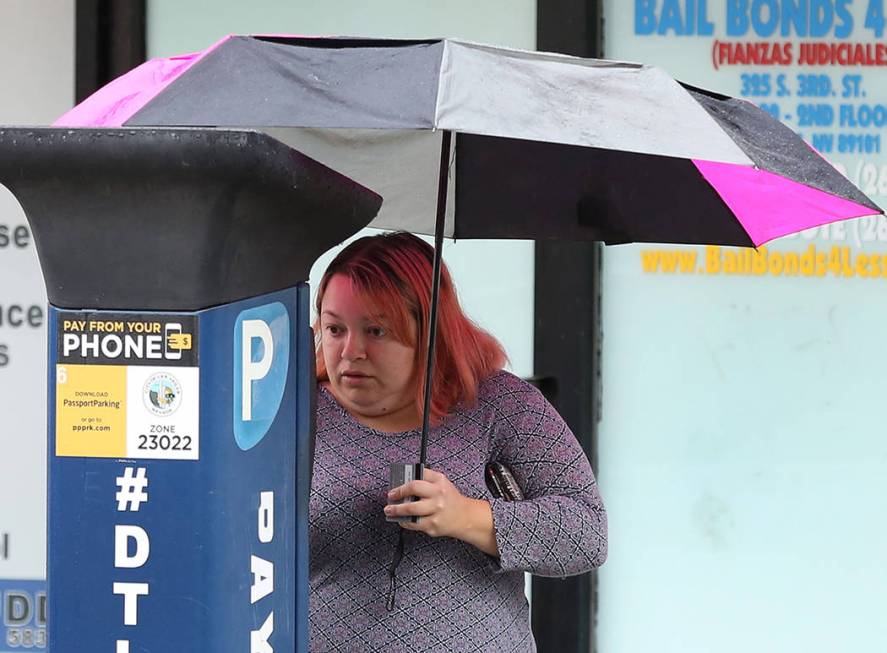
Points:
[(357, 396)]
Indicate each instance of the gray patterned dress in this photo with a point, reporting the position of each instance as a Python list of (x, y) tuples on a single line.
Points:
[(450, 595)]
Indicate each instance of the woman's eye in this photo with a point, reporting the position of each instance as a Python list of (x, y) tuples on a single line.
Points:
[(333, 329), (376, 331)]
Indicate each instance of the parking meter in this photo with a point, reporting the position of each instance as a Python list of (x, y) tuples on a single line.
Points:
[(180, 377)]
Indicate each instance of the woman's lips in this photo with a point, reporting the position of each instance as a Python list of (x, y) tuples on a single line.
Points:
[(354, 378)]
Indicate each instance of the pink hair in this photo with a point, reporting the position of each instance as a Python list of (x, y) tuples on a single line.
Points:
[(393, 273)]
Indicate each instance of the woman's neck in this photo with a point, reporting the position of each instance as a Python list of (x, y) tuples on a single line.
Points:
[(402, 419), (395, 423)]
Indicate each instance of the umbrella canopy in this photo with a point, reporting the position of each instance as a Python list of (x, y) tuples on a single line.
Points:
[(544, 145), (473, 141)]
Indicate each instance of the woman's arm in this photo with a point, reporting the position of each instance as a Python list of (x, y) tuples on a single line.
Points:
[(560, 528)]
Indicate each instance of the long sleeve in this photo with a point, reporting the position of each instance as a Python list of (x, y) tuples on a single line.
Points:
[(560, 528)]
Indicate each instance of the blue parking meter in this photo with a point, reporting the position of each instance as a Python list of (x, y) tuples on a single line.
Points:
[(181, 380)]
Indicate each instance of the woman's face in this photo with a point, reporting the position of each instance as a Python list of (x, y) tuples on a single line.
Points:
[(371, 374)]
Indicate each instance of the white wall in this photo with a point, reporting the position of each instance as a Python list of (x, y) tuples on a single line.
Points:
[(175, 27), (37, 77)]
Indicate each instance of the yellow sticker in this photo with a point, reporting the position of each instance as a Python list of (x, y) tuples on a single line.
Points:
[(90, 410), (178, 341)]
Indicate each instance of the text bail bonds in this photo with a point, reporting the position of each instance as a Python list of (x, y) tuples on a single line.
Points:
[(763, 18)]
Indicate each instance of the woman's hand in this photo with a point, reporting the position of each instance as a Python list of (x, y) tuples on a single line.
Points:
[(445, 512)]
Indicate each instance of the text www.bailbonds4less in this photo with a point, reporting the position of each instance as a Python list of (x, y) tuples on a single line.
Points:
[(836, 261)]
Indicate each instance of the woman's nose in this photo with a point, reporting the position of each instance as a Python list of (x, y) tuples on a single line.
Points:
[(354, 347)]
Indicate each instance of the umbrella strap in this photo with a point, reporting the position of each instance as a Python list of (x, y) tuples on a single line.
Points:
[(442, 183), (392, 570)]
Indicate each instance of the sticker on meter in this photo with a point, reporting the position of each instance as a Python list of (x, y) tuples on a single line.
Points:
[(127, 385)]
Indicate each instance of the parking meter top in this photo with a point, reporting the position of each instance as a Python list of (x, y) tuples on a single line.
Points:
[(186, 218)]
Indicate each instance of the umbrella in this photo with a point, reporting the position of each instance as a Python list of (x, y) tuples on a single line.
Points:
[(472, 141)]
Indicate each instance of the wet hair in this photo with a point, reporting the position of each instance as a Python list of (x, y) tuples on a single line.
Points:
[(393, 273)]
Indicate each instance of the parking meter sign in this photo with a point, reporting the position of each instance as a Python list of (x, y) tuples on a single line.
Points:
[(261, 362), (127, 385)]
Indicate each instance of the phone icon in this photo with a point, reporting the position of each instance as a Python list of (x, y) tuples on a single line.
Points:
[(175, 341)]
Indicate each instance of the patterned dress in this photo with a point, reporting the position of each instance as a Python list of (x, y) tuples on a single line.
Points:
[(450, 595)]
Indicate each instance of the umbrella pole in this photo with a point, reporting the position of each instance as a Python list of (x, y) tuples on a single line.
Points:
[(442, 182)]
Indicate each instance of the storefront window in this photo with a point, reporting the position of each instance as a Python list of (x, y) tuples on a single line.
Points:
[(741, 449)]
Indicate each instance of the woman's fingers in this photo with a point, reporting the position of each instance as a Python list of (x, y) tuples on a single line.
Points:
[(422, 525), (437, 499), (411, 508), (421, 488), (432, 476), (431, 482), (428, 514)]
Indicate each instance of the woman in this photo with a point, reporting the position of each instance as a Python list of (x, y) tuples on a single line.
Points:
[(460, 579)]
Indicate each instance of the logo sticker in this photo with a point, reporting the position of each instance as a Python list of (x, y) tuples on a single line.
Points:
[(162, 394), (261, 363)]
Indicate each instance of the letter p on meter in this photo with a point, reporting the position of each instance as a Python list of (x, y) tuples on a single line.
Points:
[(254, 370), (261, 363)]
